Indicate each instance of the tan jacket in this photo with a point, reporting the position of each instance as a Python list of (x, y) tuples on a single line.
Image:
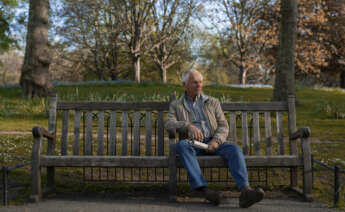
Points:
[(179, 118)]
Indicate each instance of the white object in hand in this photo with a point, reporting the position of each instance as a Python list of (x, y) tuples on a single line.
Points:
[(198, 144)]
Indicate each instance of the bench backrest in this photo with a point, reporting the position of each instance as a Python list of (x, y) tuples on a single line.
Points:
[(137, 128)]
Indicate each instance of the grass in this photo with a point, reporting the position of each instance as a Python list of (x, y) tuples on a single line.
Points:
[(321, 109)]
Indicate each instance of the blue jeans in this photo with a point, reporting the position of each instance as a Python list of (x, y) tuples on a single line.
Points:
[(231, 153)]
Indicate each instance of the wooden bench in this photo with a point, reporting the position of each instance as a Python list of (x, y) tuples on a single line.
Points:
[(89, 120)]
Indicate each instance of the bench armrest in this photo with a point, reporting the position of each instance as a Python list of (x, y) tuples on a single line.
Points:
[(41, 132), (303, 132)]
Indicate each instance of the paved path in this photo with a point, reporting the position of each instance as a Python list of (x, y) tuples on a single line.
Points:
[(158, 204)]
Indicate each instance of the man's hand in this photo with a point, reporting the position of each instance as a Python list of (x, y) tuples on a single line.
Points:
[(212, 146), (194, 133)]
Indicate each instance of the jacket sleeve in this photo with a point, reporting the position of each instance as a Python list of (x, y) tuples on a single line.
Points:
[(171, 121), (222, 130)]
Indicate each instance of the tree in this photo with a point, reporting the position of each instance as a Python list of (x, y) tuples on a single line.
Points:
[(135, 21), (335, 39), (239, 20), (170, 39), (35, 79), (7, 15), (285, 72), (10, 64), (91, 30), (311, 52)]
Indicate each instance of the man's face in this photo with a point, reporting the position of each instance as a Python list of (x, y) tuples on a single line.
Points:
[(194, 84)]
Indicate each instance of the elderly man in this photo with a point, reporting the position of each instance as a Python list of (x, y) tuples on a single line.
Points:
[(200, 117)]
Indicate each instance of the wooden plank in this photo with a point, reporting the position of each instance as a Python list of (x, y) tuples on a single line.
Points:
[(36, 192), (76, 142), (160, 128), (64, 132), (163, 161), (105, 161), (245, 136), (112, 133), (268, 133), (256, 132), (292, 143), (280, 137), (148, 129), (233, 127), (136, 132), (292, 123), (51, 142), (124, 132), (307, 169), (100, 134), (172, 166), (233, 106), (251, 161), (72, 105), (254, 106), (88, 133), (52, 123)]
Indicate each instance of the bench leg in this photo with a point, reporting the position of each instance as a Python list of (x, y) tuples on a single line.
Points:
[(172, 170), (172, 187), (307, 170), (36, 193)]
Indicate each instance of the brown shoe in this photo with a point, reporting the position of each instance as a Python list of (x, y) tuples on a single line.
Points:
[(251, 196), (211, 195)]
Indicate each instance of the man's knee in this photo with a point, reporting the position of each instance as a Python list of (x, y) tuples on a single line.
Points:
[(182, 146), (233, 149)]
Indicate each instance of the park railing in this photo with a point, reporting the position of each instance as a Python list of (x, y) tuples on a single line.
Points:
[(329, 179), (5, 171), (325, 173)]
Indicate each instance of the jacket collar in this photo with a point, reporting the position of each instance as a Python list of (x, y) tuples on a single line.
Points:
[(203, 97)]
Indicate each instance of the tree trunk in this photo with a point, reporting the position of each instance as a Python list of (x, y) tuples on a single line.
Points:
[(114, 69), (164, 73), (136, 67), (113, 72), (242, 75), (35, 79), (285, 67)]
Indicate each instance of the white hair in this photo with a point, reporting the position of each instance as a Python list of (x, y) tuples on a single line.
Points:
[(186, 74)]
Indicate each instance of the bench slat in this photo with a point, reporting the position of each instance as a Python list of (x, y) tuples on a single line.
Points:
[(233, 127), (255, 106), (160, 128), (136, 131), (280, 137), (52, 123), (229, 106), (100, 134), (148, 129), (162, 161), (64, 133), (77, 116), (88, 133), (251, 161), (268, 133), (245, 136), (86, 105), (256, 129), (124, 132), (105, 161), (112, 131)]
